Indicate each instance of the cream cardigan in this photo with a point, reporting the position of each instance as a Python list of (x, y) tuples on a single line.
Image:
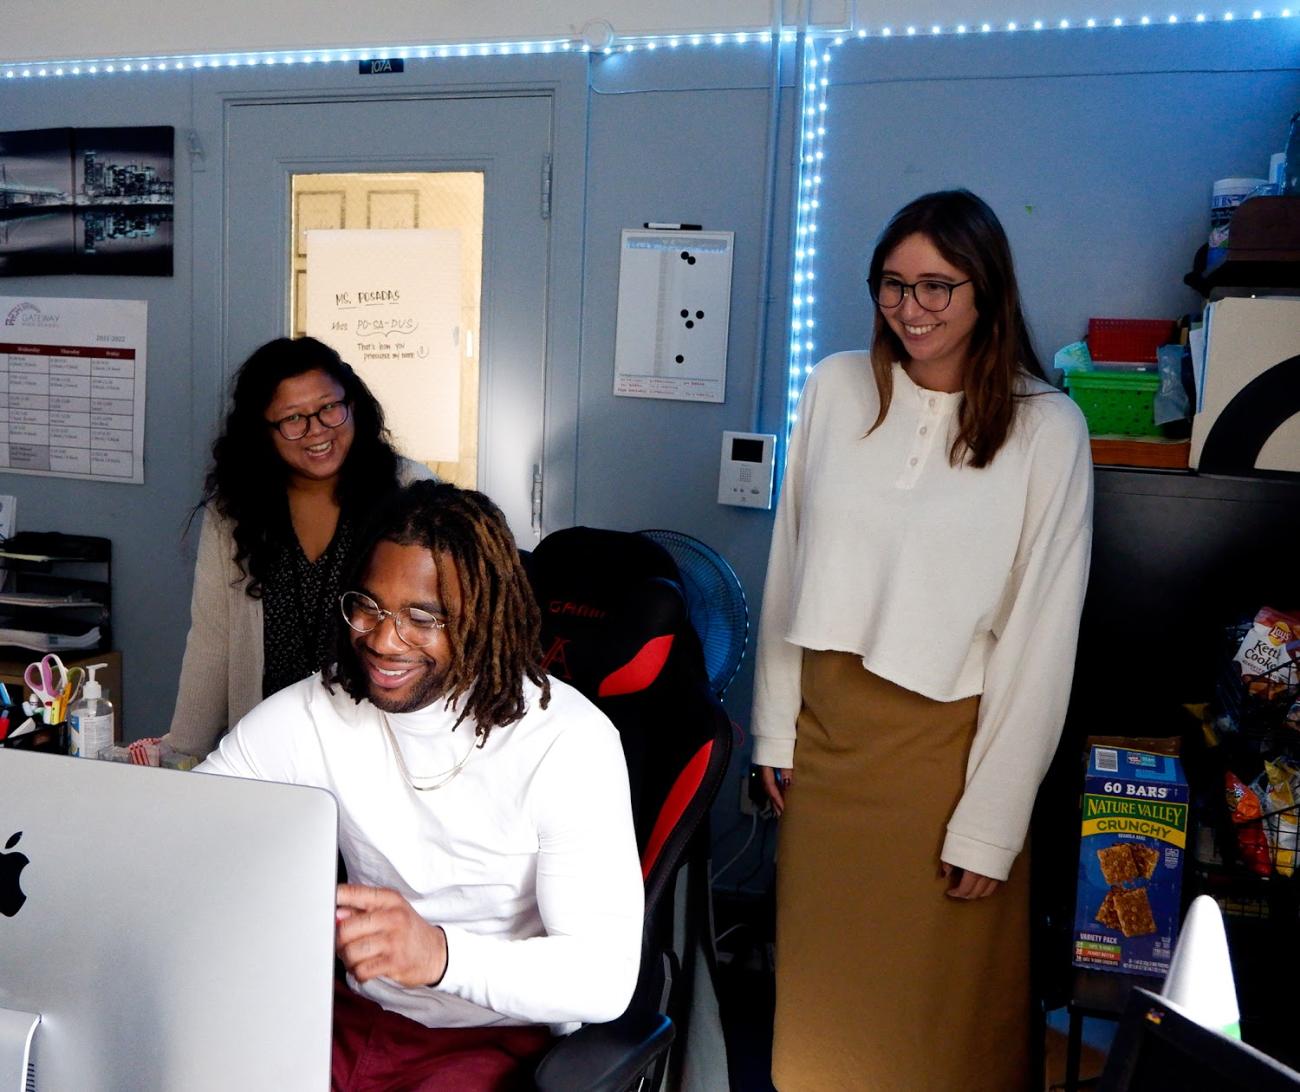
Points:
[(221, 674)]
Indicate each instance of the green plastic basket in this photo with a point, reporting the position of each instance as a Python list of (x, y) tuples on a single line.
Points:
[(1116, 403)]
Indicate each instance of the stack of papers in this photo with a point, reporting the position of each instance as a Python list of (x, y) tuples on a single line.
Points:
[(40, 641), (44, 599)]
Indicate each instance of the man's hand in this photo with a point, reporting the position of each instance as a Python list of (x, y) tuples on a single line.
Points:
[(379, 934)]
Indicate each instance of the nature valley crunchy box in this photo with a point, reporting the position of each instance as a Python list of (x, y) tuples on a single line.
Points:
[(1130, 859)]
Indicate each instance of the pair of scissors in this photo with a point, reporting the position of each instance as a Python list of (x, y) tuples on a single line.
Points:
[(72, 691), (47, 679)]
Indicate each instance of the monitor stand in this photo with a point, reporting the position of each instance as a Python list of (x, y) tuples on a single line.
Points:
[(17, 1067)]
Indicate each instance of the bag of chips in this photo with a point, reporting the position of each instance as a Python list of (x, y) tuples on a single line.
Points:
[(1276, 788), (1267, 655), (1243, 806)]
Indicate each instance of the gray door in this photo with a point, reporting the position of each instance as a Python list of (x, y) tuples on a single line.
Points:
[(508, 138)]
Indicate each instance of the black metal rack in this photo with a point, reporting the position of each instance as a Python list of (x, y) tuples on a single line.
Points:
[(1259, 897), (57, 587)]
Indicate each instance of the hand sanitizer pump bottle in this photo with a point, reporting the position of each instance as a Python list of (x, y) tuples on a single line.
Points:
[(91, 718)]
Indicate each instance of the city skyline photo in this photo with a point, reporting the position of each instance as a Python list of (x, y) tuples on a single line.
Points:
[(91, 201)]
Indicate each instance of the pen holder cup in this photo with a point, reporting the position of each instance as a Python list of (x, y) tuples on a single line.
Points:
[(43, 737)]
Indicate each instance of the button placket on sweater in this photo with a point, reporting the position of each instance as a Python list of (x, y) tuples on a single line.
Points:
[(930, 425)]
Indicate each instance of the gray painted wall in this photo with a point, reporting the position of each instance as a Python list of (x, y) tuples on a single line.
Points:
[(151, 571), (1113, 138), (1098, 151)]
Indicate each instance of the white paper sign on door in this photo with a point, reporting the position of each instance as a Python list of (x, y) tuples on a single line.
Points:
[(388, 301)]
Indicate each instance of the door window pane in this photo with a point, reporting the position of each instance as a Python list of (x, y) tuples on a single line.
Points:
[(448, 200)]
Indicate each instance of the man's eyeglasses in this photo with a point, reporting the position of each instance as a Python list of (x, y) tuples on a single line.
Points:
[(297, 425), (414, 626), (931, 295)]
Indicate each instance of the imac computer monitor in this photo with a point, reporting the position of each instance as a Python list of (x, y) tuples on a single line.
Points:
[(173, 931)]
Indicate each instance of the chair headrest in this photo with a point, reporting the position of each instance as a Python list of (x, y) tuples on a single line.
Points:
[(613, 612)]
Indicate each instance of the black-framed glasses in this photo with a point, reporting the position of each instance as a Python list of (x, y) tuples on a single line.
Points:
[(415, 627), (297, 425), (930, 295)]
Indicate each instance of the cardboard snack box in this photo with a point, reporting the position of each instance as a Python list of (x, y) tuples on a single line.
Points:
[(1131, 855)]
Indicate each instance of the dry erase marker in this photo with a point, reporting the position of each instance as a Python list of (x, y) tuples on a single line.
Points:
[(652, 226)]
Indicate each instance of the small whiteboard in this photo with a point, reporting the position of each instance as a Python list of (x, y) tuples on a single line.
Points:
[(674, 303), (388, 301)]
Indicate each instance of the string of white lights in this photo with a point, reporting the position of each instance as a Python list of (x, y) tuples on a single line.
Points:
[(811, 164), (1086, 23), (306, 58), (808, 184), (34, 69)]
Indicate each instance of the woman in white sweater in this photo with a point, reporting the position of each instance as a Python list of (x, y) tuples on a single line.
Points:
[(915, 652), (302, 459)]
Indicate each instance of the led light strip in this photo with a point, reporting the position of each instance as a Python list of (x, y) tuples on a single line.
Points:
[(802, 344), (803, 287), (308, 57), (208, 61), (1173, 19)]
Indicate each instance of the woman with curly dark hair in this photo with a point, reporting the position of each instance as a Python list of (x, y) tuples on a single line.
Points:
[(302, 460)]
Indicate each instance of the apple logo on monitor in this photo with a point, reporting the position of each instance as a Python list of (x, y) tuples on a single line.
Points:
[(11, 865)]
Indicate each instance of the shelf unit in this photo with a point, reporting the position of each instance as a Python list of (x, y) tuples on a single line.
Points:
[(58, 586)]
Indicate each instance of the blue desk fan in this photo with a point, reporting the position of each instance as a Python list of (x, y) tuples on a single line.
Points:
[(716, 602)]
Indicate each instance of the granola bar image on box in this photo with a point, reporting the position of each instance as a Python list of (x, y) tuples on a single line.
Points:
[(1145, 858), (1133, 909), (1106, 911), (1117, 864)]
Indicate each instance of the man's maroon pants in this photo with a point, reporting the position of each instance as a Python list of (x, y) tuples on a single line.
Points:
[(380, 1051)]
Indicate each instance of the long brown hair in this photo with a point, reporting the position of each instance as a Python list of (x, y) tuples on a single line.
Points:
[(968, 234), (496, 635)]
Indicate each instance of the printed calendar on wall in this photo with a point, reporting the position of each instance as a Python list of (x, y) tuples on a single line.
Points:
[(72, 387)]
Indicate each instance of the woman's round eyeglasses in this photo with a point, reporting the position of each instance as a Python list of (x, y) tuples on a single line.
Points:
[(930, 295), (414, 626), (297, 425)]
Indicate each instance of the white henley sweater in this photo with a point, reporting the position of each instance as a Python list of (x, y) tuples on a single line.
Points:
[(947, 580), (527, 858)]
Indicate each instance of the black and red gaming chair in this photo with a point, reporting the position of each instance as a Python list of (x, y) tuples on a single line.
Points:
[(615, 625)]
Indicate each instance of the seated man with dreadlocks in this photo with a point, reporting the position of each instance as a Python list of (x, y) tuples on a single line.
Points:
[(485, 820)]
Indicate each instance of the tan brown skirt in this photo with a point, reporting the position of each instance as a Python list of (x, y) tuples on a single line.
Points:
[(883, 981)]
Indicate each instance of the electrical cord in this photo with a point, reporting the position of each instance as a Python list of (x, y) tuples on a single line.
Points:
[(762, 858), (753, 829)]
